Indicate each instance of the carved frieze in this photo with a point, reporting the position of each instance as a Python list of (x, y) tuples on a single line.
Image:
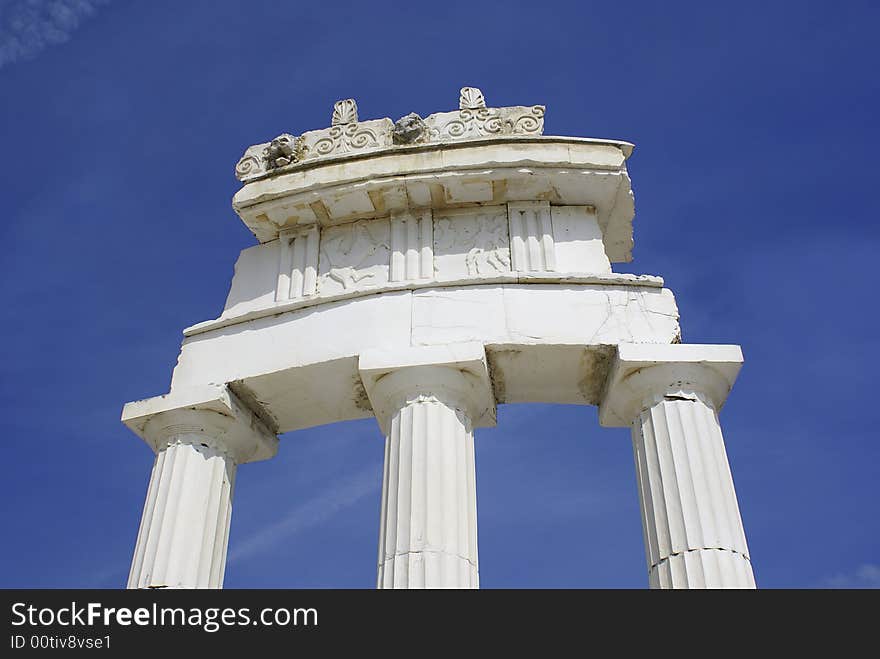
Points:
[(471, 242), (354, 256)]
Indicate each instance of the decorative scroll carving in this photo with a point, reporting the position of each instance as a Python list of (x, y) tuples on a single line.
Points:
[(252, 163), (346, 134), (354, 255), (344, 112), (469, 243), (524, 120), (347, 138), (485, 122), (465, 124)]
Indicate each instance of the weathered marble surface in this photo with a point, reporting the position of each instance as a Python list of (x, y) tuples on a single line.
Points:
[(428, 402), (348, 135), (419, 246), (670, 396), (422, 272), (354, 256)]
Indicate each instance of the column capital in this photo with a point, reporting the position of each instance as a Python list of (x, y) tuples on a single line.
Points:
[(212, 413), (642, 374), (456, 374)]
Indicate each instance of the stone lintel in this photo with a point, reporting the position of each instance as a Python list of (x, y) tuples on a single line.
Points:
[(642, 373), (613, 279), (458, 370), (211, 410)]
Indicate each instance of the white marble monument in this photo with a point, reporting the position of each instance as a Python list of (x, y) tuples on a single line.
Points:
[(421, 272)]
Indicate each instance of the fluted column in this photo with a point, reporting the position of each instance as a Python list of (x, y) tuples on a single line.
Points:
[(693, 531), (428, 527), (427, 402), (184, 531), (694, 536)]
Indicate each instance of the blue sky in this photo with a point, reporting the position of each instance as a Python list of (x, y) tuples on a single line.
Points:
[(756, 137)]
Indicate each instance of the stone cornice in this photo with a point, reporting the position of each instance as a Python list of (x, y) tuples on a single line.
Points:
[(625, 148), (561, 171), (348, 136)]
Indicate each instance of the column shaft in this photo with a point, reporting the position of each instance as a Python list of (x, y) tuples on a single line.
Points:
[(428, 529), (693, 532), (184, 530)]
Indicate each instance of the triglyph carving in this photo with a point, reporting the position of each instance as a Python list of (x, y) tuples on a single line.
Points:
[(354, 256), (412, 245), (531, 236), (297, 264), (471, 242)]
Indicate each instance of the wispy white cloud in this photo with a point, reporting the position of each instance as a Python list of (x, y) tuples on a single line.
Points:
[(327, 503), (865, 576), (27, 27)]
